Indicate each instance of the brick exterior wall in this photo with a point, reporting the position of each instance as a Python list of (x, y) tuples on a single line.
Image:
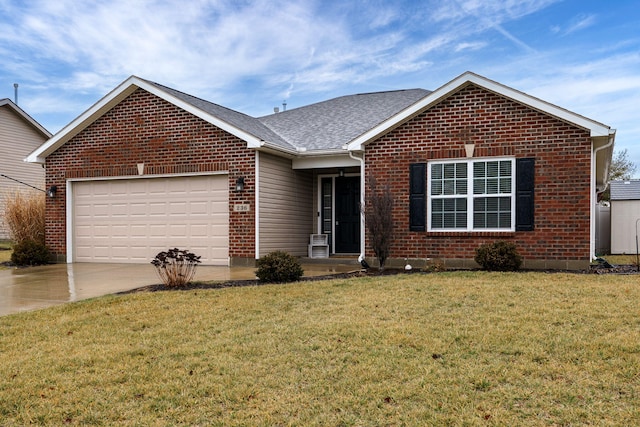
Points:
[(498, 127), (168, 140)]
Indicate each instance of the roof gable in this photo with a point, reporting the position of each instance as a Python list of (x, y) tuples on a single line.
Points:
[(596, 129), (240, 125), (7, 103)]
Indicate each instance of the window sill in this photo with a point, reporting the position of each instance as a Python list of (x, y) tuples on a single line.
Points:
[(501, 234)]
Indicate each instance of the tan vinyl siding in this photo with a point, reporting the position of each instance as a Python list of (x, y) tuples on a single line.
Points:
[(18, 138), (286, 206)]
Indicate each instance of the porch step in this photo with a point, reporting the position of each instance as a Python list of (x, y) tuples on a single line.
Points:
[(339, 260)]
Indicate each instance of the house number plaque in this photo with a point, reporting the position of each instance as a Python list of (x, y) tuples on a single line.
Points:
[(241, 207)]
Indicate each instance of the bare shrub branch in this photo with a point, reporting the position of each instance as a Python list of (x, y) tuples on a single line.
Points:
[(379, 220), (175, 267)]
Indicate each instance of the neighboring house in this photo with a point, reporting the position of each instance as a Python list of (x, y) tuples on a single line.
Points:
[(19, 135), (625, 216), (148, 168)]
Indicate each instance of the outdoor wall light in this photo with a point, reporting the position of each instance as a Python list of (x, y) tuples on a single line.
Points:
[(51, 191), (341, 173), (240, 184)]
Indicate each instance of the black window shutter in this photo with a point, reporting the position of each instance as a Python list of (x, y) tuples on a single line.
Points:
[(525, 179), (418, 197)]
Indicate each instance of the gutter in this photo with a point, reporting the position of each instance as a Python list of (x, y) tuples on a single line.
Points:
[(595, 191), (595, 158)]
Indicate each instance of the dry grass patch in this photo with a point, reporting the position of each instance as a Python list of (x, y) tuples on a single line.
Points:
[(440, 349), (621, 259), (5, 252)]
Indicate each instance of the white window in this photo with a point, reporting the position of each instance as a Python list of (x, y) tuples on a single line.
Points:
[(471, 195)]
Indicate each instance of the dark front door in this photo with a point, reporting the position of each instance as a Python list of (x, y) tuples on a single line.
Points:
[(348, 215)]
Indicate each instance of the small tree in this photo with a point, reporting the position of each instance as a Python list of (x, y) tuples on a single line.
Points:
[(622, 168), (378, 212)]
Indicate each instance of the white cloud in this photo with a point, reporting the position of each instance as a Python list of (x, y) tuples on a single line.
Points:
[(495, 11), (580, 23), (469, 46), (207, 46)]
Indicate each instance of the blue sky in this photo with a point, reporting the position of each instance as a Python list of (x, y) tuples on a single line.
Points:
[(252, 55)]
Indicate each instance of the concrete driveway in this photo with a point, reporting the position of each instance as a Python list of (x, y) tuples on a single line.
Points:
[(23, 289)]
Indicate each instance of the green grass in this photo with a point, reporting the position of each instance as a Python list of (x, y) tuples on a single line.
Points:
[(5, 251), (461, 348)]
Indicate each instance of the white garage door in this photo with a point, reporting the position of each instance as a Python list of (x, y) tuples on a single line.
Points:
[(131, 220)]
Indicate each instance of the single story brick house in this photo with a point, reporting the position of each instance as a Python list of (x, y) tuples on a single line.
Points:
[(148, 167)]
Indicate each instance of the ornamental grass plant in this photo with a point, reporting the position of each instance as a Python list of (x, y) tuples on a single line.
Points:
[(453, 348), (24, 216)]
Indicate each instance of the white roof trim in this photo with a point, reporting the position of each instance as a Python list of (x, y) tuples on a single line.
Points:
[(596, 129), (114, 97), (325, 161), (38, 127)]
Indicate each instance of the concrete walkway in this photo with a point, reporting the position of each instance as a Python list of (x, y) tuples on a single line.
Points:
[(23, 289)]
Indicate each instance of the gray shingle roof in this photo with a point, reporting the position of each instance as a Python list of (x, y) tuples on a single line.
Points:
[(331, 124), (239, 120), (327, 125), (625, 190)]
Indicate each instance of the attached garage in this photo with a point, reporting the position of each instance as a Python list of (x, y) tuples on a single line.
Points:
[(131, 220)]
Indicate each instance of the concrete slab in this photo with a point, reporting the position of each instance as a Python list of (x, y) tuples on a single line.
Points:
[(24, 289)]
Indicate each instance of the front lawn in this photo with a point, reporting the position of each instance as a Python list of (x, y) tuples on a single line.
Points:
[(455, 348), (5, 251)]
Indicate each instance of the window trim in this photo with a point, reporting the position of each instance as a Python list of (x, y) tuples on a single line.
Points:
[(470, 196)]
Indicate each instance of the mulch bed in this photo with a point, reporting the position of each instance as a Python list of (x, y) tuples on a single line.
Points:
[(615, 269), (595, 269), (235, 283)]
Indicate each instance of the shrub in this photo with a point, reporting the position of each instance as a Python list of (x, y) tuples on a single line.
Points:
[(30, 252), (498, 256), (25, 220), (279, 267), (176, 267), (24, 216)]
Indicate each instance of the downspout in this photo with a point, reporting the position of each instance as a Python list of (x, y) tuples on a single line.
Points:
[(594, 193), (257, 207), (362, 198)]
